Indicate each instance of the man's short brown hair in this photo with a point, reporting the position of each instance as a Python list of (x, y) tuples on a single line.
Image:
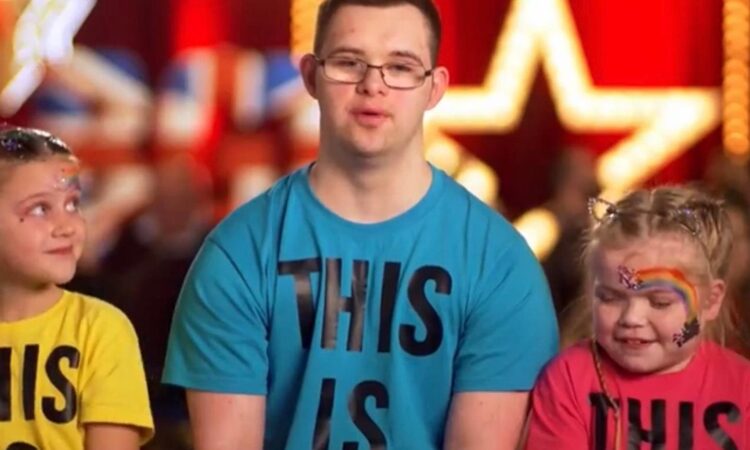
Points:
[(428, 9)]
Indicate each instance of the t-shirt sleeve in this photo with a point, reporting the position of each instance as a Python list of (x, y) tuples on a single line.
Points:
[(556, 420), (510, 330), (114, 389), (219, 337)]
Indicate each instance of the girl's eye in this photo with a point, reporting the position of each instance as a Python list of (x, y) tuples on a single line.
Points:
[(73, 206), (661, 300), (661, 303), (606, 297), (39, 210)]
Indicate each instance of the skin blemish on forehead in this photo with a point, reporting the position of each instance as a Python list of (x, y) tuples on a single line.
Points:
[(669, 279)]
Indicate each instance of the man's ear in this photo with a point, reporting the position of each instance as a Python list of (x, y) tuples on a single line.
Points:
[(712, 306), (440, 79), (308, 67)]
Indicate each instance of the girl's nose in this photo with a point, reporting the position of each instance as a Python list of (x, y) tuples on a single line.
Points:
[(633, 313)]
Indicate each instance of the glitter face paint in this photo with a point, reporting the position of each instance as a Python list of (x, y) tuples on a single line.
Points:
[(69, 178)]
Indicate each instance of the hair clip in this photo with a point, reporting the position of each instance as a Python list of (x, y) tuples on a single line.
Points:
[(28, 143), (688, 217), (12, 144), (601, 210)]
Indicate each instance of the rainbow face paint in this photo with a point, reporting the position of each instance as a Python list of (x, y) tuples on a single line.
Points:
[(671, 280)]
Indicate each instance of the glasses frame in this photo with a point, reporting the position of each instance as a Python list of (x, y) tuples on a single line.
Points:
[(322, 63)]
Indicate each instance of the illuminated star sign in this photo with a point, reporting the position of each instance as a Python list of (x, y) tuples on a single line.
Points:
[(34, 32), (665, 122)]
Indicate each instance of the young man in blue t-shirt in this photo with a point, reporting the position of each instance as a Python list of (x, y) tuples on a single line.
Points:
[(366, 300)]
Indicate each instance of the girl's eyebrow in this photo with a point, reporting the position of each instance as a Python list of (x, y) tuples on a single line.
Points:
[(43, 195), (661, 287), (610, 289), (624, 292), (34, 196)]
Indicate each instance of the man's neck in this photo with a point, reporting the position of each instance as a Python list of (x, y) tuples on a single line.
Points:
[(18, 302), (370, 190)]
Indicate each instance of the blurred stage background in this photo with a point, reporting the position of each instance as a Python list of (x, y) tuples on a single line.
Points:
[(183, 109)]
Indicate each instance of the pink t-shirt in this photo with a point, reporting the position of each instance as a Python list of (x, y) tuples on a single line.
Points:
[(705, 406)]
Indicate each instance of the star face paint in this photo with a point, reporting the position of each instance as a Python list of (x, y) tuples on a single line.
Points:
[(668, 279)]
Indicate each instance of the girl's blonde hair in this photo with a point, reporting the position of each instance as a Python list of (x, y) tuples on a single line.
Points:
[(645, 213)]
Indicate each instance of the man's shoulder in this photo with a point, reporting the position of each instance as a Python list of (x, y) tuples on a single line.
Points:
[(273, 198), (490, 238), (461, 204), (257, 215)]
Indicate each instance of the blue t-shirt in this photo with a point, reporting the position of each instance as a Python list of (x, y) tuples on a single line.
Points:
[(361, 333)]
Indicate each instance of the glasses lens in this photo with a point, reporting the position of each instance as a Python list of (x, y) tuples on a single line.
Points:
[(352, 70), (403, 75), (345, 70)]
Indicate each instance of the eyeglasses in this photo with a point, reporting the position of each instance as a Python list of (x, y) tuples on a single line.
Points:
[(28, 143), (397, 75)]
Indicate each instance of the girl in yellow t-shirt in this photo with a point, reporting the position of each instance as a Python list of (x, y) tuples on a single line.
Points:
[(71, 375)]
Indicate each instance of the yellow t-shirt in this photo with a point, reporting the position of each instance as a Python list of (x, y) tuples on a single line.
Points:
[(74, 364)]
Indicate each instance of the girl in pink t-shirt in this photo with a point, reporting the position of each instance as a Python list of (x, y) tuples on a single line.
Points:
[(654, 375)]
